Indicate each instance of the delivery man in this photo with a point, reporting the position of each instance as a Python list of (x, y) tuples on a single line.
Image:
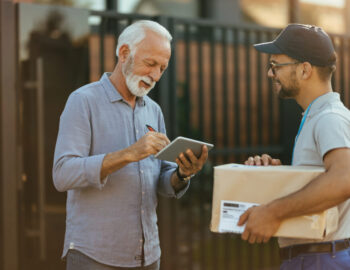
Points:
[(302, 61)]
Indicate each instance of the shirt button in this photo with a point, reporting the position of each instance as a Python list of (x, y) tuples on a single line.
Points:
[(143, 192), (141, 171), (140, 240), (137, 131), (142, 211)]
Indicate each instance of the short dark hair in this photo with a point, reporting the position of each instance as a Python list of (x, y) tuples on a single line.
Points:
[(325, 72)]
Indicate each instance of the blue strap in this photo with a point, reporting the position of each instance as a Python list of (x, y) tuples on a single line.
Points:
[(301, 126)]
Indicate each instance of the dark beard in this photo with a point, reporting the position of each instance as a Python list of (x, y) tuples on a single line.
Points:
[(291, 90), (288, 92)]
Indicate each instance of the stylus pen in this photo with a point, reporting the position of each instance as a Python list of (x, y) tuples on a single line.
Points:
[(150, 128)]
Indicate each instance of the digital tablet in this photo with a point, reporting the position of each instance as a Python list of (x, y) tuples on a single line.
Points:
[(179, 145)]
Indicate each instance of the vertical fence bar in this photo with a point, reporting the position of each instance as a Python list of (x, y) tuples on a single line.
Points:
[(9, 160), (248, 89), (213, 83), (270, 103), (173, 79), (224, 87), (103, 24), (41, 156), (201, 189), (187, 97), (237, 124), (187, 112), (200, 81), (227, 241), (213, 108), (259, 90), (170, 24)]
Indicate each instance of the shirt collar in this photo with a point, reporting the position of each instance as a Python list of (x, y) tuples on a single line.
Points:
[(112, 92), (320, 102)]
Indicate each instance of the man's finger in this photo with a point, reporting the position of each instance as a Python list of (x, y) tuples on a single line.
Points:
[(179, 163), (159, 145), (259, 240), (161, 136), (250, 161), (184, 160), (257, 160), (266, 159), (266, 239), (252, 239), (192, 158), (204, 154), (244, 217), (245, 234), (276, 162)]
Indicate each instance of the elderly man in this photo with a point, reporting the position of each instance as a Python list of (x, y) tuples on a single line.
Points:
[(301, 65), (104, 158)]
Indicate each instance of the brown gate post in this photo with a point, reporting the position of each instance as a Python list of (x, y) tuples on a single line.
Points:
[(8, 135)]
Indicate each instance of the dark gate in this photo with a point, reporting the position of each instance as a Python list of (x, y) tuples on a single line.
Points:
[(215, 90)]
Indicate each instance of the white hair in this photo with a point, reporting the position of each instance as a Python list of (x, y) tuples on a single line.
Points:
[(136, 32)]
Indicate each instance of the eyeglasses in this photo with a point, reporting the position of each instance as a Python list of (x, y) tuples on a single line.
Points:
[(273, 65)]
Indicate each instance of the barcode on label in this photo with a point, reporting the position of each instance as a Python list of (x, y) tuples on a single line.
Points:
[(230, 212)]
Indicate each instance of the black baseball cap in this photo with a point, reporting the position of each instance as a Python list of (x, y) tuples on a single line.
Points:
[(305, 43)]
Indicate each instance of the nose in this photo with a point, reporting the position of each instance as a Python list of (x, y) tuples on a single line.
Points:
[(155, 74), (270, 73)]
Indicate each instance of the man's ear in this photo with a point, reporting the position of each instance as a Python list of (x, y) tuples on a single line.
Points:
[(124, 53), (306, 70)]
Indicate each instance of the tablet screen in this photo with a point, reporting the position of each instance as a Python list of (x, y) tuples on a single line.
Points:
[(179, 145)]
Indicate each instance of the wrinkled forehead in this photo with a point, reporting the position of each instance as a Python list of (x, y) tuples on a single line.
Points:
[(154, 44)]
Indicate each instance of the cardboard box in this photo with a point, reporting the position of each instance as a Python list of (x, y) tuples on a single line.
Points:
[(262, 184)]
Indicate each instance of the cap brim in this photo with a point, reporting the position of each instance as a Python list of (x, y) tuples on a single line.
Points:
[(267, 47)]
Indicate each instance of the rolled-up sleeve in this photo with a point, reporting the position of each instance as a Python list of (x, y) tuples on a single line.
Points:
[(164, 186), (73, 167)]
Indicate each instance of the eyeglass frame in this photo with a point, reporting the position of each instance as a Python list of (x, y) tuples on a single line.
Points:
[(273, 65)]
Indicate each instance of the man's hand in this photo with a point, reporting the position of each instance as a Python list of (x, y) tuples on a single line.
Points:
[(263, 160), (189, 164), (261, 224), (151, 143)]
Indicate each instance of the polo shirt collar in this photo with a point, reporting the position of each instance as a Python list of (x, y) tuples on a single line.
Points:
[(319, 103), (112, 92)]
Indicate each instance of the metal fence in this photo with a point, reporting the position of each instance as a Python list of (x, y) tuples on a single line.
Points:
[(216, 89)]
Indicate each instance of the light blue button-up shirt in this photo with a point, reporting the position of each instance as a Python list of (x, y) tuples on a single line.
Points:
[(107, 221)]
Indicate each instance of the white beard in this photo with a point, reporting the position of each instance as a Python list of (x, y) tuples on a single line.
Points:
[(133, 81)]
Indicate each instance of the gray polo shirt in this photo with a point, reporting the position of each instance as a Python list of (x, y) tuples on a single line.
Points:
[(326, 127), (106, 220)]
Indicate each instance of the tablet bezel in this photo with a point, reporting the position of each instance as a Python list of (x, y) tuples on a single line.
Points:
[(180, 145)]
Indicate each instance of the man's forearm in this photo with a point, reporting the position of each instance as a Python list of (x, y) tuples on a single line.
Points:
[(115, 161), (325, 191)]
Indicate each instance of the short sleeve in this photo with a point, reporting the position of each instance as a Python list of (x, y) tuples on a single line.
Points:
[(332, 131)]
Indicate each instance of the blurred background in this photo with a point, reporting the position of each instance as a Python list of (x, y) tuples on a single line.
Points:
[(215, 90)]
